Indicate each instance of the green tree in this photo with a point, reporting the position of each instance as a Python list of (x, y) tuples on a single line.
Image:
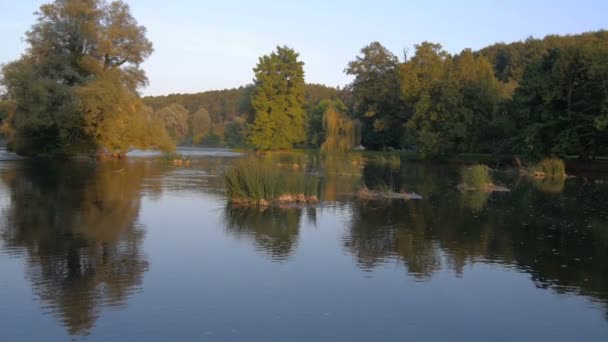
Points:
[(561, 106), (376, 97), (77, 83), (424, 87), (454, 100), (234, 133), (279, 119)]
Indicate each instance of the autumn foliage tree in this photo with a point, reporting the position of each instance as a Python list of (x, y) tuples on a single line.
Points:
[(75, 89)]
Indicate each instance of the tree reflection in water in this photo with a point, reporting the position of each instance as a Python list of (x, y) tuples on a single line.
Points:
[(558, 234), (77, 225), (275, 230)]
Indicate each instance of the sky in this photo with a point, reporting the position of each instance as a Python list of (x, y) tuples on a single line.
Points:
[(203, 45)]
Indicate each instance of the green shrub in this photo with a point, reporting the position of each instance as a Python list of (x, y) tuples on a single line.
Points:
[(476, 177), (551, 167)]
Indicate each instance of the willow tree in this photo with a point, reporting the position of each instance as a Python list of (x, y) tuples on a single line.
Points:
[(175, 119), (278, 101), (341, 132), (200, 124), (76, 87)]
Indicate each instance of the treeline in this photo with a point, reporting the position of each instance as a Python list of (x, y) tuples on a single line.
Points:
[(76, 90), (219, 117), (537, 97)]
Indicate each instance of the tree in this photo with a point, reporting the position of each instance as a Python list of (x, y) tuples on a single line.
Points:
[(340, 132), (200, 123), (279, 119), (77, 83), (561, 105), (175, 119), (234, 133), (454, 100), (376, 94), (424, 86)]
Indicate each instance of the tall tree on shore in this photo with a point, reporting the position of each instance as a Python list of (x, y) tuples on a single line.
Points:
[(278, 101), (76, 87), (376, 94), (561, 106)]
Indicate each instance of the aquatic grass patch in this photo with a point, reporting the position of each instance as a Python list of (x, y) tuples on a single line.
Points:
[(176, 159), (550, 168), (385, 191), (253, 182), (478, 178), (171, 156)]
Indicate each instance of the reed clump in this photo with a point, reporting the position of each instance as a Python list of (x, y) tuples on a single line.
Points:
[(550, 168), (176, 159), (252, 182), (478, 178)]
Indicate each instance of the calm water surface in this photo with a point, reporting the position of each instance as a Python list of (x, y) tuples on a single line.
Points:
[(139, 250)]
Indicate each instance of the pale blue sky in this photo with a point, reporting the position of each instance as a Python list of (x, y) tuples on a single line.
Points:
[(202, 45)]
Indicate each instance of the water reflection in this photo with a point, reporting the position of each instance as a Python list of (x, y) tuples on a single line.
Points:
[(275, 230), (78, 228), (560, 239), (556, 231), (76, 224)]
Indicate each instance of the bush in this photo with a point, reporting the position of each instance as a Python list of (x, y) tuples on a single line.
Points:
[(551, 167), (476, 177)]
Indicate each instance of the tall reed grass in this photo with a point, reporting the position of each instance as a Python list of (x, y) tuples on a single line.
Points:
[(476, 177), (551, 167), (252, 181)]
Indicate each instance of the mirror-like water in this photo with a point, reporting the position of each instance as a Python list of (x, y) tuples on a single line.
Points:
[(140, 250)]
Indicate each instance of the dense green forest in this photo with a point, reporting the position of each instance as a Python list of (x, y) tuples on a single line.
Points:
[(536, 98), (76, 90)]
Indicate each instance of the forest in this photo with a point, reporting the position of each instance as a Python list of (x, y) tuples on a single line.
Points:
[(77, 90), (536, 97)]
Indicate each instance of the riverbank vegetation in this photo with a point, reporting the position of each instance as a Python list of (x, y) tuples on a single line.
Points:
[(534, 98), (75, 90)]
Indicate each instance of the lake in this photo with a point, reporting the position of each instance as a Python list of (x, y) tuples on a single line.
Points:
[(140, 250)]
